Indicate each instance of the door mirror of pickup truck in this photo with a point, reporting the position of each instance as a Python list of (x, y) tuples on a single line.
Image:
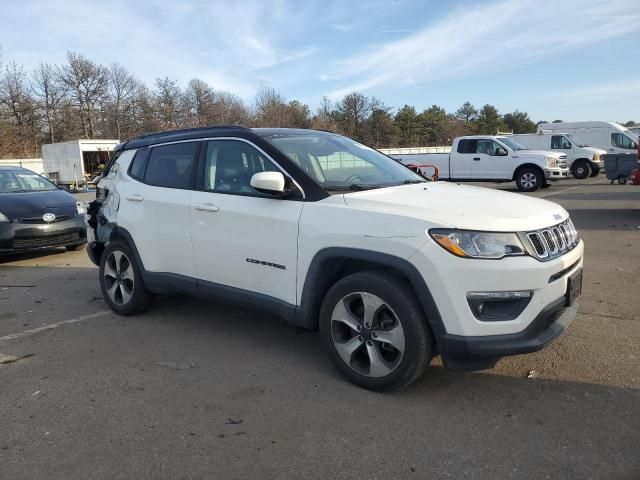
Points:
[(271, 183), (501, 152)]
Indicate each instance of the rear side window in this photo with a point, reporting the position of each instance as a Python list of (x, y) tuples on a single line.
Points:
[(136, 170), (467, 146), (172, 166)]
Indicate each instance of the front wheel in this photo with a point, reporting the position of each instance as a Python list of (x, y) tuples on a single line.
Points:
[(595, 171), (375, 331), (581, 170), (529, 179), (121, 281)]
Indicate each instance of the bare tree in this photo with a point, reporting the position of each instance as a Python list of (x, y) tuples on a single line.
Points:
[(88, 84), (167, 100), (122, 88), (19, 108), (48, 94)]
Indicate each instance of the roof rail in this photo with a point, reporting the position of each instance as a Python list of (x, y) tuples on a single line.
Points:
[(182, 134)]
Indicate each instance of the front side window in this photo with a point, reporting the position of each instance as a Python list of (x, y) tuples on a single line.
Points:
[(620, 140), (488, 147), (560, 142), (172, 166), (340, 164), (230, 164), (19, 181)]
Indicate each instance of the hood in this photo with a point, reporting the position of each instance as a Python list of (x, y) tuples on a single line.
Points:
[(36, 204), (599, 151), (461, 206)]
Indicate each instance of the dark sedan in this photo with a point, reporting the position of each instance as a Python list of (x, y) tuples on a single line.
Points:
[(35, 213)]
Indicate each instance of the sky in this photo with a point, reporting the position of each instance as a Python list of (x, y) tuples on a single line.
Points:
[(555, 59)]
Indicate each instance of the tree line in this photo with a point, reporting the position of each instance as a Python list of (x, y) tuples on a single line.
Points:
[(84, 99)]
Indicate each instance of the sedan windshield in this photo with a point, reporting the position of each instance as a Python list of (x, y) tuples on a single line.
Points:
[(18, 181), (338, 163)]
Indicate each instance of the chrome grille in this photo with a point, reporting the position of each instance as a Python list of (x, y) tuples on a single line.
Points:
[(554, 241)]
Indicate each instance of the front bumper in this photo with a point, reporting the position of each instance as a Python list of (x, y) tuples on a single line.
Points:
[(15, 236), (464, 338), (479, 353), (556, 173)]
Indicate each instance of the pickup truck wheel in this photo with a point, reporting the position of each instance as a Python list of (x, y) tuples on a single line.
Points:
[(581, 170), (121, 282), (595, 171), (529, 179), (375, 331)]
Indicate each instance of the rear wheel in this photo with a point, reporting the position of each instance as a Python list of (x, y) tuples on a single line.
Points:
[(581, 170), (375, 331), (121, 281), (529, 179)]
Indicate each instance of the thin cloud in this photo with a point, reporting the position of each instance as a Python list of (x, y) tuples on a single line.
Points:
[(492, 37), (603, 91)]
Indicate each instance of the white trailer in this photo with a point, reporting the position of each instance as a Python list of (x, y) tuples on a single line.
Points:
[(73, 164)]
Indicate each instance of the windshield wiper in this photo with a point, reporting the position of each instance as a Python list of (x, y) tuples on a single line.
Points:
[(409, 182)]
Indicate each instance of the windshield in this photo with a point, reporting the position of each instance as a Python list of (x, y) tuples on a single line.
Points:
[(339, 163), (575, 141), (18, 181), (512, 144)]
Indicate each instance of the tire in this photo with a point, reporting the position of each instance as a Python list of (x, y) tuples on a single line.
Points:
[(529, 179), (75, 248), (396, 315), (121, 281), (595, 171), (581, 170), (622, 180)]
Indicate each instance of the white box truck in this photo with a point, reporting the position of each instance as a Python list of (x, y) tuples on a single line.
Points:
[(491, 158), (74, 164), (583, 161), (610, 136)]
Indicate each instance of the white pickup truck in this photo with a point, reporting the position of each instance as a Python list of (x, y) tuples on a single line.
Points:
[(488, 158)]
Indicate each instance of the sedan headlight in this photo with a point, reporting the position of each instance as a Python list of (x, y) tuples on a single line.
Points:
[(3, 218), (470, 244), (81, 207), (551, 161)]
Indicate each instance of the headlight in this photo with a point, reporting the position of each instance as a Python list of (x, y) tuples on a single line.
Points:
[(470, 244), (551, 161), (81, 207), (3, 218), (596, 157)]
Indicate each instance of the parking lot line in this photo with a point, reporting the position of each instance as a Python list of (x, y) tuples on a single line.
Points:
[(567, 189), (51, 326)]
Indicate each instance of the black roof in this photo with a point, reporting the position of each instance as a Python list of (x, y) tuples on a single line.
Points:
[(204, 132), (177, 135)]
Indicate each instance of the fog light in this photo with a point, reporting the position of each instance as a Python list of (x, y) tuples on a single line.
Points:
[(498, 306)]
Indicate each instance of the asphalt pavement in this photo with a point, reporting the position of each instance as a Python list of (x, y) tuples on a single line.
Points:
[(199, 390)]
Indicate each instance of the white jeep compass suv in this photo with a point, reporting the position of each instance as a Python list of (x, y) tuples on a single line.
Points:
[(331, 234)]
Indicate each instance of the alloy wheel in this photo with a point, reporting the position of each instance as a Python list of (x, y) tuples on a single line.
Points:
[(528, 180), (119, 277), (367, 334)]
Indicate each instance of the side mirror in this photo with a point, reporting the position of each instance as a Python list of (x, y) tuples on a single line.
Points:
[(271, 183), (501, 152)]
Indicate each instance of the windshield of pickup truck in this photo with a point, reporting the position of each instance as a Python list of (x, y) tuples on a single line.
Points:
[(21, 181), (512, 144), (338, 163)]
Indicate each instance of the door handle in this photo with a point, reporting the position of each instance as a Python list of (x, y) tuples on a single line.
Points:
[(207, 207), (476, 158), (135, 198)]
